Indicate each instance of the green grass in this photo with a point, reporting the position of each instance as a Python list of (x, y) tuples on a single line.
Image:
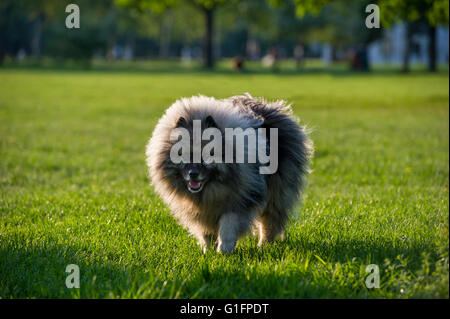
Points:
[(74, 188)]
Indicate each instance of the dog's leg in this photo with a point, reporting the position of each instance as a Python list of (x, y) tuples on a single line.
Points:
[(270, 226), (206, 241), (229, 230)]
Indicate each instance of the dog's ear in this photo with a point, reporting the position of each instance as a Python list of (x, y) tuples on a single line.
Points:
[(209, 122), (181, 122)]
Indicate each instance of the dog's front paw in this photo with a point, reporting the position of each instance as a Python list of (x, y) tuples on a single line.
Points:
[(226, 247)]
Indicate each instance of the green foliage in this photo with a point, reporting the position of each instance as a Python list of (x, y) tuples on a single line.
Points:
[(159, 6), (74, 188), (209, 4), (303, 7), (439, 12), (434, 11), (310, 6)]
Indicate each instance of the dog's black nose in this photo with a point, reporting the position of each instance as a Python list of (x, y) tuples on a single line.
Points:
[(193, 173)]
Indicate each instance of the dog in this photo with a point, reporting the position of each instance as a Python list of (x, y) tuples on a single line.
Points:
[(219, 201)]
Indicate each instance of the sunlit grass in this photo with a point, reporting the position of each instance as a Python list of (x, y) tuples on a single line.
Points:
[(74, 188)]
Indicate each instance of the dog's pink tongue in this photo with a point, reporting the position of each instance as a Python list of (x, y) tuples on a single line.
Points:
[(194, 184)]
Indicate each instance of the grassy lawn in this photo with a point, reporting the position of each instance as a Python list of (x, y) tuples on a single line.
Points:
[(74, 188)]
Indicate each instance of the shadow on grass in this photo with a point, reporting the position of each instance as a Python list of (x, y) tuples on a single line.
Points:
[(315, 270), (41, 273), (344, 251), (279, 270)]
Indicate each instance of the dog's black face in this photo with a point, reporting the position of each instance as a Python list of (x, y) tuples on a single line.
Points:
[(195, 176)]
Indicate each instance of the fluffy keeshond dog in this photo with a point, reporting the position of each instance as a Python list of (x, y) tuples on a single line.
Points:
[(219, 202)]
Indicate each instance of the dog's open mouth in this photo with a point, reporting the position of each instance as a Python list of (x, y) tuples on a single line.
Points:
[(195, 186)]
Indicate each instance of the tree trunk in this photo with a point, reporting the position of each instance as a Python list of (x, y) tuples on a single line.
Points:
[(208, 49), (164, 40), (432, 48), (365, 62), (5, 30), (407, 50), (37, 34)]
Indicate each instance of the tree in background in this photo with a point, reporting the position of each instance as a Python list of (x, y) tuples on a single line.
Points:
[(79, 45), (24, 20), (339, 23), (14, 29), (249, 28), (433, 12), (207, 7), (143, 28), (343, 27), (249, 9), (38, 26)]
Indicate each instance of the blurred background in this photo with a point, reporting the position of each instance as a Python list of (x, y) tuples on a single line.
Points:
[(249, 35)]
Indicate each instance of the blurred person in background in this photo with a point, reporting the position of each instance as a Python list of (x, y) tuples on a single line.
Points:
[(299, 53)]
